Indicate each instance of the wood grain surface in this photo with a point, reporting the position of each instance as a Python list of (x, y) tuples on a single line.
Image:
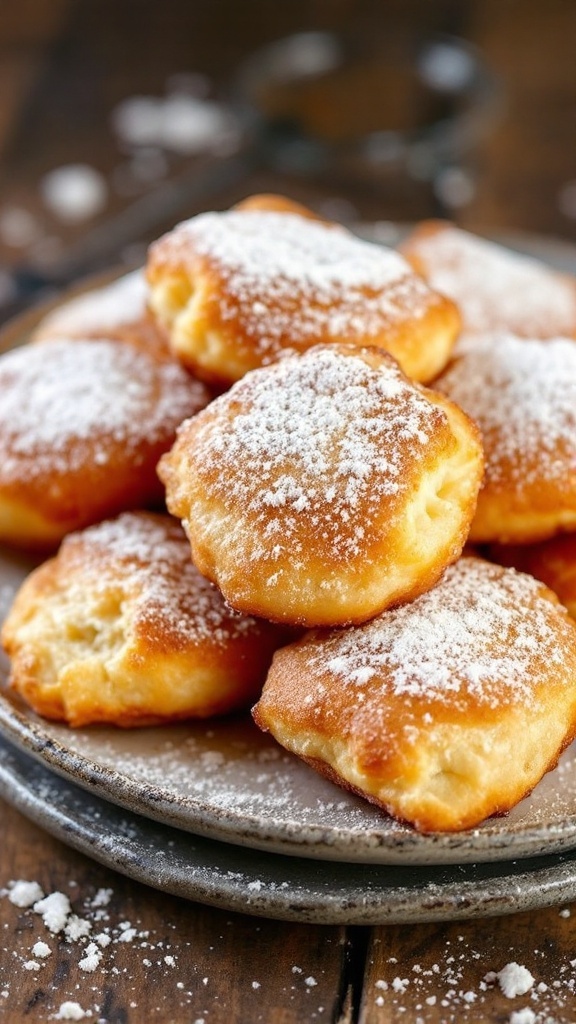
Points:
[(64, 64)]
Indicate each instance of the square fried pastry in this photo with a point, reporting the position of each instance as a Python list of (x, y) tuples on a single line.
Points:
[(118, 311), (493, 287), (521, 393), (83, 423), (444, 711), (121, 628), (235, 290), (325, 487)]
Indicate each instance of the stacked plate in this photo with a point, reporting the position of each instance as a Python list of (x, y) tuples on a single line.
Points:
[(217, 812)]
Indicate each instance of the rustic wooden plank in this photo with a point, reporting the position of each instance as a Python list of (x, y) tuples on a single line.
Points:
[(436, 973), (184, 962)]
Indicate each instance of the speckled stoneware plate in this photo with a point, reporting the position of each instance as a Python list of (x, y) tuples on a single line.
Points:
[(267, 885), (226, 781)]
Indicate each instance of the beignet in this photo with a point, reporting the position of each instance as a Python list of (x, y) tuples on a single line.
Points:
[(325, 487), (493, 287), (235, 290), (522, 395), (443, 711), (82, 426), (118, 311), (121, 628)]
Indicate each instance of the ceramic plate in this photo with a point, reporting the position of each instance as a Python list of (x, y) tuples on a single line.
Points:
[(267, 885), (227, 781)]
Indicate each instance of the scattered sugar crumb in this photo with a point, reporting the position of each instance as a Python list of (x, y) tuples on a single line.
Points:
[(71, 1011), (77, 928), (255, 984), (525, 1016), (170, 961), (400, 984), (565, 912), (102, 939), (24, 894), (54, 909), (31, 965), (41, 949), (311, 982), (91, 959), (102, 898), (515, 980)]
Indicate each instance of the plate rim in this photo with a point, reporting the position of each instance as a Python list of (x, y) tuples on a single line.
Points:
[(252, 882), (310, 841)]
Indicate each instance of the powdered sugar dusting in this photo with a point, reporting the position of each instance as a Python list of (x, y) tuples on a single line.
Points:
[(322, 441), (292, 281), (469, 636), (150, 557), (62, 396), (522, 395), (496, 288), (117, 304)]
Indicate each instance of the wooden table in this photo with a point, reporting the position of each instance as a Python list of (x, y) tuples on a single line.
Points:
[(63, 66)]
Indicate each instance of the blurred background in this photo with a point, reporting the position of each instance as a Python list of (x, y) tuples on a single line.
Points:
[(120, 117)]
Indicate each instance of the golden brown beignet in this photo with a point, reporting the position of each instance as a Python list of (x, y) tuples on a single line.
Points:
[(278, 204), (522, 395), (493, 287), (120, 627), (326, 487), (82, 426), (118, 311), (552, 561), (443, 711), (235, 290)]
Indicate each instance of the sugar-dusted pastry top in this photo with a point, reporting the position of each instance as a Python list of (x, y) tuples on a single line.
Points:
[(316, 481), (552, 561), (445, 710), (113, 305), (522, 395), (493, 287), (120, 627), (82, 425), (235, 289), (118, 311), (467, 643)]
